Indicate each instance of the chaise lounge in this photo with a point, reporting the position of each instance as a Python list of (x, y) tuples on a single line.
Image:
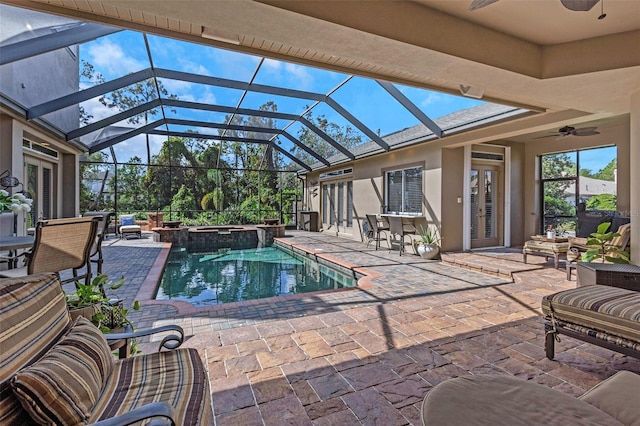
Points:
[(58, 372)]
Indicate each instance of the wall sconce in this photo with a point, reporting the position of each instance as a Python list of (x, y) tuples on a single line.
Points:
[(471, 92), (8, 181)]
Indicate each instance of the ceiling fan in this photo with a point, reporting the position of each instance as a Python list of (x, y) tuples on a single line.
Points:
[(576, 5), (565, 131)]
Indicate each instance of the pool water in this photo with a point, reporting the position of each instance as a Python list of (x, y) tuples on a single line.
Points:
[(234, 275)]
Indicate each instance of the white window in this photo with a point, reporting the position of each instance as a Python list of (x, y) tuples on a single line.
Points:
[(404, 191)]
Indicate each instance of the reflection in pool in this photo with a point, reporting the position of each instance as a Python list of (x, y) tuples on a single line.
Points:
[(234, 275)]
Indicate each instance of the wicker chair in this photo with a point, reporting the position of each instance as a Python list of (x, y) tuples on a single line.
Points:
[(578, 245), (61, 244)]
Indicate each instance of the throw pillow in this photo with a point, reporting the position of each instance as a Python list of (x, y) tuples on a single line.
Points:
[(127, 220), (63, 386)]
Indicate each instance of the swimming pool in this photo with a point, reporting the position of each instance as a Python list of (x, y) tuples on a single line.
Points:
[(226, 276)]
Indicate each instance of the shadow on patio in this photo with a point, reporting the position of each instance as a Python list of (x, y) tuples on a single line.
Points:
[(369, 355)]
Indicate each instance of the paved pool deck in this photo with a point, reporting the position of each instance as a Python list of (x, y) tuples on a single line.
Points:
[(368, 355)]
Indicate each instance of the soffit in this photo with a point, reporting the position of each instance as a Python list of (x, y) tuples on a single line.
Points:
[(409, 42), (546, 22)]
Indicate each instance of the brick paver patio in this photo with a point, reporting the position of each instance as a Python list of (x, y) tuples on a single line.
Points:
[(368, 355)]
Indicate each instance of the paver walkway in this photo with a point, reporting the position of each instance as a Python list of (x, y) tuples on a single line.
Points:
[(369, 355)]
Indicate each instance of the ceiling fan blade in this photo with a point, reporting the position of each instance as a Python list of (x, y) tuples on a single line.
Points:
[(478, 4), (548, 136), (587, 131), (579, 5)]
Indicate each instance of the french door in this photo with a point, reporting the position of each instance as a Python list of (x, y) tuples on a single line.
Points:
[(39, 183), (486, 205), (337, 206)]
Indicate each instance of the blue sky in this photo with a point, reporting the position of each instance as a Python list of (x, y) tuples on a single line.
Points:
[(124, 52)]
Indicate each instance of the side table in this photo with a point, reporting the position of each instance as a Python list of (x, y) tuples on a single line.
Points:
[(547, 247), (611, 274)]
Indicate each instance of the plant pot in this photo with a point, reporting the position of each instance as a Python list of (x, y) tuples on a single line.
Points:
[(428, 251), (86, 311)]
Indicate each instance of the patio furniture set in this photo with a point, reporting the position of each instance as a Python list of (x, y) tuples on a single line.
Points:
[(604, 312), (396, 226)]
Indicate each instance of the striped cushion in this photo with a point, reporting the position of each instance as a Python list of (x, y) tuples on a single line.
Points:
[(33, 310), (176, 377), (607, 309), (64, 385)]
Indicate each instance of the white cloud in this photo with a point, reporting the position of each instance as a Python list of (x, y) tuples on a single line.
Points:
[(111, 60), (272, 64), (303, 77), (97, 110), (432, 98)]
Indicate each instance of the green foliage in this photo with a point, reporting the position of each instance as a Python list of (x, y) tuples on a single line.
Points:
[(429, 235), (602, 202), (183, 201), (216, 196), (557, 206), (345, 136), (91, 294), (606, 173), (603, 248)]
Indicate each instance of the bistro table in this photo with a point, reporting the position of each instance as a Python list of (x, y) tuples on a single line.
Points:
[(12, 244), (410, 223)]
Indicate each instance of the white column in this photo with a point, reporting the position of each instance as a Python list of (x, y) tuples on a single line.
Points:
[(634, 177), (466, 198)]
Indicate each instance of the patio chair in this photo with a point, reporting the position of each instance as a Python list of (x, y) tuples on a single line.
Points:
[(61, 244), (397, 228), (578, 245), (96, 248), (128, 226), (375, 228)]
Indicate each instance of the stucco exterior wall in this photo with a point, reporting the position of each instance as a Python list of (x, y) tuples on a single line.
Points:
[(443, 180)]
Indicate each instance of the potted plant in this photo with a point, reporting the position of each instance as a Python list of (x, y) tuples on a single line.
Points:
[(91, 301), (428, 243), (603, 249)]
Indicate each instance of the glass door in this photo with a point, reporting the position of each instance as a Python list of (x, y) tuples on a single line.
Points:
[(39, 183), (486, 206), (337, 206)]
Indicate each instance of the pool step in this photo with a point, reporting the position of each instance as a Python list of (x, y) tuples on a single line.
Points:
[(501, 264)]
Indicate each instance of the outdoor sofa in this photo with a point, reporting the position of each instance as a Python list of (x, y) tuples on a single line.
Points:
[(56, 371)]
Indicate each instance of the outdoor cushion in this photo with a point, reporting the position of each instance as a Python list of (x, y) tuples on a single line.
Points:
[(505, 400), (127, 220), (177, 377), (611, 396), (604, 308), (64, 385), (33, 309)]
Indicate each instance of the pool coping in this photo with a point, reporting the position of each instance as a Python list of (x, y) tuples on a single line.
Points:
[(151, 282)]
